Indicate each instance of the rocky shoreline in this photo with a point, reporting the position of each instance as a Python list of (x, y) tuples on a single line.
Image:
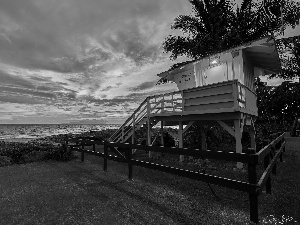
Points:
[(24, 150)]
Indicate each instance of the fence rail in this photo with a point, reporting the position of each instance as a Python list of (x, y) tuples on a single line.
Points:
[(269, 154)]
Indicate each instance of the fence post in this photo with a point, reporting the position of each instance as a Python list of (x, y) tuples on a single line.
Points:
[(105, 156), (133, 130), (129, 156), (253, 197), (82, 153), (94, 147), (268, 183)]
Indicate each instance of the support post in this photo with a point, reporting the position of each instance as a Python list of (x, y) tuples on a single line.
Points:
[(149, 136), (129, 156), (180, 135), (203, 140), (163, 104), (133, 132), (252, 139), (238, 140), (253, 197), (268, 183), (105, 156), (94, 147), (162, 140), (162, 133)]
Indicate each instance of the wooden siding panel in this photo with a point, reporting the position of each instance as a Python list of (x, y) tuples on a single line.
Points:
[(208, 99), (210, 106), (202, 92), (248, 71), (251, 101)]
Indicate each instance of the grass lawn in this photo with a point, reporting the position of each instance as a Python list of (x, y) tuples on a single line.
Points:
[(81, 193)]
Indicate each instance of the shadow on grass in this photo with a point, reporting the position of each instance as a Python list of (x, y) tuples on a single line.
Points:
[(200, 199)]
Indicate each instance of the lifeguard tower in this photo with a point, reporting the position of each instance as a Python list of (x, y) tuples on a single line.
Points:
[(218, 89)]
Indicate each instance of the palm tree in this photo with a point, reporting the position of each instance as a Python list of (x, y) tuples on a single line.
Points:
[(218, 25), (203, 33)]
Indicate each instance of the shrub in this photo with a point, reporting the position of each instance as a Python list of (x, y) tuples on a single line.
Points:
[(34, 151), (60, 153), (5, 161)]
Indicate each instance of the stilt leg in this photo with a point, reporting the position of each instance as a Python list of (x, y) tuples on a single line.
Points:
[(238, 140), (203, 140), (252, 135), (162, 133), (180, 134), (149, 136), (162, 141), (133, 134)]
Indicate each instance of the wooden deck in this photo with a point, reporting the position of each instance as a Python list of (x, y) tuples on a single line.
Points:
[(225, 101), (217, 100)]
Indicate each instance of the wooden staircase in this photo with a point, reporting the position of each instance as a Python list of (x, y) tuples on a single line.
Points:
[(137, 121)]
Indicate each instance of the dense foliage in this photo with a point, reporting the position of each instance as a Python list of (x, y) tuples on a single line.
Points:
[(289, 51), (15, 152), (218, 25), (278, 105)]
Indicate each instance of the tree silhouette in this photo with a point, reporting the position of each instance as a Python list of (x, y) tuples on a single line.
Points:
[(289, 50), (218, 25)]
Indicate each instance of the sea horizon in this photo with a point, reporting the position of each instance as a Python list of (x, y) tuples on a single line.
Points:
[(35, 131)]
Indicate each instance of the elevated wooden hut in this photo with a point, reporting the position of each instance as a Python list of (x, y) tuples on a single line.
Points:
[(218, 89)]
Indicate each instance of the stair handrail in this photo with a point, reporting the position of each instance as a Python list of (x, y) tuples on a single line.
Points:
[(135, 111), (126, 130), (140, 115)]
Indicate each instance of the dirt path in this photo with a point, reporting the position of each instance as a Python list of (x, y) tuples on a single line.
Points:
[(81, 193)]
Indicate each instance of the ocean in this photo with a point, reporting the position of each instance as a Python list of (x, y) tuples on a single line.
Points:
[(15, 132)]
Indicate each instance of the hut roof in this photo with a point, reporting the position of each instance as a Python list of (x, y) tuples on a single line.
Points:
[(262, 52)]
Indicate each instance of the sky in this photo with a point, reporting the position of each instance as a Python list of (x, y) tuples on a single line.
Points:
[(64, 61)]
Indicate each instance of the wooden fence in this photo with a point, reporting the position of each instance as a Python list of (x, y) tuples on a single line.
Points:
[(269, 155)]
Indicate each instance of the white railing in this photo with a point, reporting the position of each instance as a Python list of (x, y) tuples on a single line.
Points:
[(163, 103), (166, 103), (247, 98), (127, 126)]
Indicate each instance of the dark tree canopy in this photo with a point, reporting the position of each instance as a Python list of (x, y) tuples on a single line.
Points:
[(280, 103), (289, 50), (218, 25)]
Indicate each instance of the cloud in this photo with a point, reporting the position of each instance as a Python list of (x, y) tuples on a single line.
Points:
[(18, 81), (74, 57), (13, 90), (55, 35), (143, 86), (21, 99), (134, 44)]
